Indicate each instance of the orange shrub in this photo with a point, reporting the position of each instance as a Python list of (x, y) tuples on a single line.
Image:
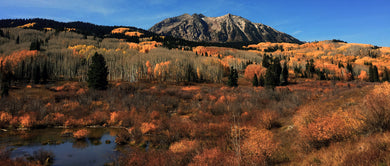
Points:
[(99, 117), (258, 146), (213, 157), (114, 118), (5, 119), (184, 146), (267, 119), (74, 122), (340, 125), (54, 119), (70, 105), (378, 111), (27, 121), (147, 127), (80, 134), (123, 118), (154, 115)]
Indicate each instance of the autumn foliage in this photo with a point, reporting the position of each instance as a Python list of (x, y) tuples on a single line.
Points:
[(253, 69), (258, 147), (80, 134), (378, 112)]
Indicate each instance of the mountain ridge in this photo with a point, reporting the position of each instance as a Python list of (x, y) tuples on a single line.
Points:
[(226, 28)]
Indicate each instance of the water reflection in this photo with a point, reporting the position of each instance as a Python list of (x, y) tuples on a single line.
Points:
[(67, 151)]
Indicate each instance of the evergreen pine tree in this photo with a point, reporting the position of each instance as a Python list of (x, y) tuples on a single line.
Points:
[(6, 77), (269, 81), (255, 81), (17, 40), (266, 61), (285, 73), (261, 80), (37, 74), (35, 45), (277, 71), (376, 75), (371, 73), (233, 77), (97, 73), (386, 75), (349, 68), (45, 74), (191, 75)]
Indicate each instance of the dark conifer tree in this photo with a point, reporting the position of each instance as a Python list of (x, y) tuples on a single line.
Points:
[(371, 73), (35, 45), (261, 80), (37, 74), (45, 74), (349, 68), (233, 78), (255, 81), (269, 81), (17, 40), (277, 71), (376, 75), (97, 73), (191, 75), (266, 61), (6, 77), (7, 35), (285, 73), (386, 75)]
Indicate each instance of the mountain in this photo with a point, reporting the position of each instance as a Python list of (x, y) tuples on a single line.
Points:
[(227, 28)]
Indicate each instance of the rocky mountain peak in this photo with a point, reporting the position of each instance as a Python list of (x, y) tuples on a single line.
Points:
[(226, 28)]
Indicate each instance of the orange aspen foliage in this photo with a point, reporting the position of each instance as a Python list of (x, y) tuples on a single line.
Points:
[(119, 30), (29, 25), (161, 69), (138, 34), (18, 56), (363, 76), (253, 69), (150, 69)]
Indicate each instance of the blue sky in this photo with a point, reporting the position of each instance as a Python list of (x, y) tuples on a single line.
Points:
[(355, 21)]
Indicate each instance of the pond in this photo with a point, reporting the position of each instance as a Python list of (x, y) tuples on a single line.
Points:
[(98, 148)]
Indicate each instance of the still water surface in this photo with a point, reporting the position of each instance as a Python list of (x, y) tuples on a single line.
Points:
[(98, 149)]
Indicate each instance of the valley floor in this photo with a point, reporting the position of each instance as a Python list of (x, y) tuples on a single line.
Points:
[(305, 123)]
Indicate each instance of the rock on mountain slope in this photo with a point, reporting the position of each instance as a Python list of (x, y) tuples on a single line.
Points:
[(227, 28)]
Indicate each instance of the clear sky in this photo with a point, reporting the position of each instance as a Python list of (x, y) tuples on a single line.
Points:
[(355, 21)]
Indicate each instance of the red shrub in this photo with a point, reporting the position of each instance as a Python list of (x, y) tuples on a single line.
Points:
[(213, 157)]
